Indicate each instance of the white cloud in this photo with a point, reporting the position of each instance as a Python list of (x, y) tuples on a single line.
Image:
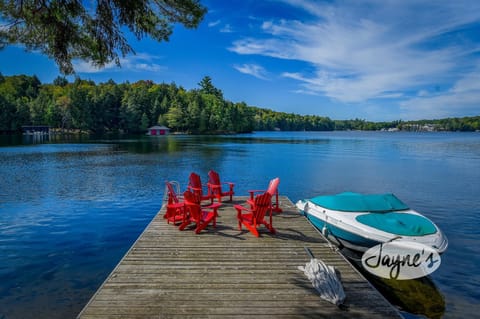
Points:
[(423, 93), (463, 98), (81, 66), (226, 29), (149, 67), (252, 69), (141, 62), (374, 49), (213, 23)]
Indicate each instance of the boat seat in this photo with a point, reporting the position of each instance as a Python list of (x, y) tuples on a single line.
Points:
[(403, 224)]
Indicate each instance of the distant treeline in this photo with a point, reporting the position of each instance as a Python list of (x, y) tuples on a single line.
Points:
[(83, 105)]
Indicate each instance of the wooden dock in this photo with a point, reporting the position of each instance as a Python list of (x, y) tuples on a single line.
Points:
[(227, 273)]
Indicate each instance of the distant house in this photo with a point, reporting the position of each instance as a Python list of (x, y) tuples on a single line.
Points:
[(158, 130), (35, 129)]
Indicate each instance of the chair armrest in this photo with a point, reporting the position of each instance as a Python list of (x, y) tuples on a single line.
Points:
[(214, 206), (230, 185), (176, 205), (239, 209), (210, 185), (252, 192)]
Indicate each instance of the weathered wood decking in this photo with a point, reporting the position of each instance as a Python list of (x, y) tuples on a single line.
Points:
[(227, 273)]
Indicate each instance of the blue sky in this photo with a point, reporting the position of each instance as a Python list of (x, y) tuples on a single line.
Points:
[(376, 60)]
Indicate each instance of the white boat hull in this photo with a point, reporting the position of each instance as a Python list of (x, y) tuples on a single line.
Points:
[(343, 229)]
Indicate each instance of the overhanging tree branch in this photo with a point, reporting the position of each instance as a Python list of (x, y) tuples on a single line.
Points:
[(66, 29)]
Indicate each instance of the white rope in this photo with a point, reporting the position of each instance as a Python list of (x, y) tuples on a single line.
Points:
[(324, 280)]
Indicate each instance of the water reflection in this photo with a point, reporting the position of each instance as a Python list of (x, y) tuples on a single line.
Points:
[(417, 296)]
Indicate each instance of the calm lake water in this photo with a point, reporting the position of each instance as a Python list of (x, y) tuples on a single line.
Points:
[(69, 210)]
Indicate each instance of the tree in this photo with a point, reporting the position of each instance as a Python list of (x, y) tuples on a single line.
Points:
[(91, 30), (137, 102), (175, 117), (7, 114), (60, 81), (144, 122), (207, 87), (64, 105)]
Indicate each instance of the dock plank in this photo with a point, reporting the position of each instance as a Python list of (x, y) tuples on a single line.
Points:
[(225, 272)]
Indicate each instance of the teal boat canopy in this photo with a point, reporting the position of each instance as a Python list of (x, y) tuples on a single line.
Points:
[(355, 202)]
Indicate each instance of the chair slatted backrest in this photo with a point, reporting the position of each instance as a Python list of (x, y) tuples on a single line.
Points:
[(213, 177), (195, 181), (215, 187), (192, 205), (273, 186), (174, 210), (172, 195), (263, 204), (195, 185)]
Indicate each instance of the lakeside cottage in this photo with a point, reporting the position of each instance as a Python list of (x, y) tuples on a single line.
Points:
[(158, 130)]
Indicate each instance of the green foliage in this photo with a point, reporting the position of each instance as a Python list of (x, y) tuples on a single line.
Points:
[(110, 107), (17, 93), (144, 123), (91, 30), (207, 87), (60, 81), (7, 114)]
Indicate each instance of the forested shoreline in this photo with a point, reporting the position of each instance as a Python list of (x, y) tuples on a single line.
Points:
[(83, 105)]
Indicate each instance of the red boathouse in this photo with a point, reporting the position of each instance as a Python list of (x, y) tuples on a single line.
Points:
[(158, 130)]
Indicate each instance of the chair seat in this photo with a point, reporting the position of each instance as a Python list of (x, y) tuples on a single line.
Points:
[(248, 217), (174, 219)]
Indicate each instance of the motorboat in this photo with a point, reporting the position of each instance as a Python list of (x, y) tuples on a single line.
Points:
[(361, 221)]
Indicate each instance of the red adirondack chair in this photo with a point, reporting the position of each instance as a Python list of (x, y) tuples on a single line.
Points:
[(195, 185), (194, 213), (254, 216), (215, 187), (175, 205), (272, 190)]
